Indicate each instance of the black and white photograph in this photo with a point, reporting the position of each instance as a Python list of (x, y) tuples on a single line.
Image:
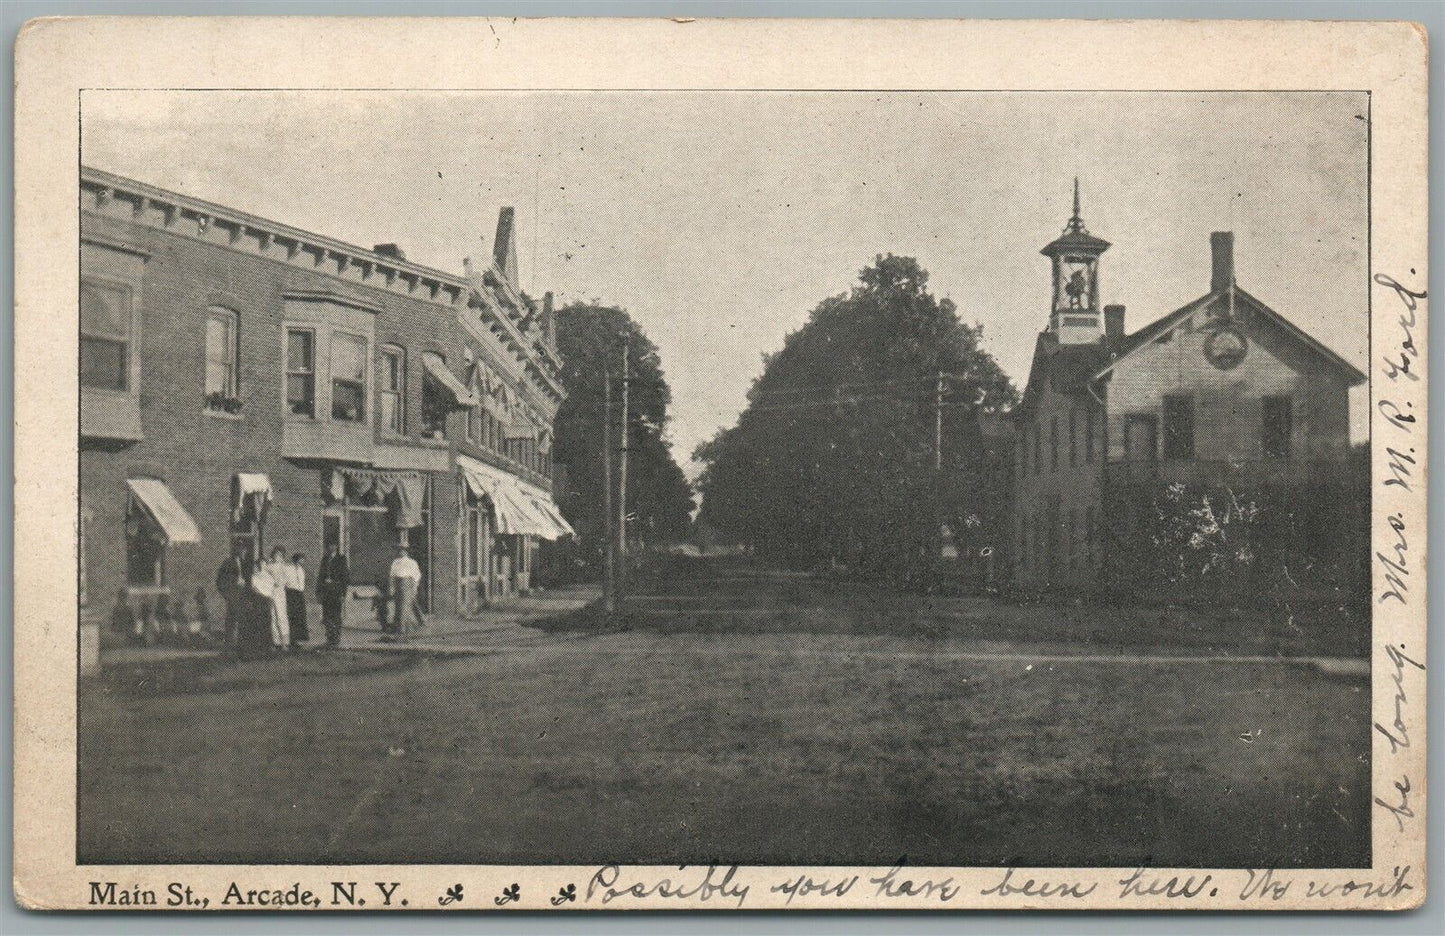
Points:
[(711, 479)]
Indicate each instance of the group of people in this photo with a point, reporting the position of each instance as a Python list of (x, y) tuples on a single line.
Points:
[(266, 601)]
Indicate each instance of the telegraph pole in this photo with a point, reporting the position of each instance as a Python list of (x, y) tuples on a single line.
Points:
[(622, 482), (938, 425), (609, 591)]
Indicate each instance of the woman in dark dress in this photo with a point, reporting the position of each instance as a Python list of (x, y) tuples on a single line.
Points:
[(254, 638), (296, 600)]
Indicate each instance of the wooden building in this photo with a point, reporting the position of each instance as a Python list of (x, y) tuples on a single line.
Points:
[(1223, 398)]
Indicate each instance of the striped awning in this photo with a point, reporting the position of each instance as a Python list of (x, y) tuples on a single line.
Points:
[(437, 368), (521, 509), (157, 500)]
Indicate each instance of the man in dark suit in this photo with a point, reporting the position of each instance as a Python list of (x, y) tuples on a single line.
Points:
[(332, 581), (229, 583)]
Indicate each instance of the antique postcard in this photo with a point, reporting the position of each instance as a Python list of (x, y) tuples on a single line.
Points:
[(562, 464)]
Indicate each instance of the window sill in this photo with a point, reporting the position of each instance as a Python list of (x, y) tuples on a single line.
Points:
[(222, 414)]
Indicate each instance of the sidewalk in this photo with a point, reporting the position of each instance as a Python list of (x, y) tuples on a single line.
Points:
[(501, 624)]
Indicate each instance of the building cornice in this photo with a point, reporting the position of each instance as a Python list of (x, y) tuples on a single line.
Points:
[(119, 197)]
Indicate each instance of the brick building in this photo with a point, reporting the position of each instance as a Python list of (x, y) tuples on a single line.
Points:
[(246, 382), (1223, 397)]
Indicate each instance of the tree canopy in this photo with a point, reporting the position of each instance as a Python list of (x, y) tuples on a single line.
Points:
[(833, 459), (659, 499)]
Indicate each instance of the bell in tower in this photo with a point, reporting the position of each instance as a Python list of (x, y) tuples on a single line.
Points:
[(1075, 317)]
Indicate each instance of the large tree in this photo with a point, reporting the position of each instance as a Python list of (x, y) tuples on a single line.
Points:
[(833, 459), (659, 499)]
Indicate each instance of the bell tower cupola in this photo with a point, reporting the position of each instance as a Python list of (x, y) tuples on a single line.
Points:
[(1075, 316)]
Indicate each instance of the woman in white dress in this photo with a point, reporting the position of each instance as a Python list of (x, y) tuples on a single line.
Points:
[(279, 572)]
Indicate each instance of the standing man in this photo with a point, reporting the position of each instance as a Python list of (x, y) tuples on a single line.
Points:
[(229, 583), (333, 579), (405, 578)]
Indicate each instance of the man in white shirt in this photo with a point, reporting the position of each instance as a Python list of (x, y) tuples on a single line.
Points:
[(405, 578)]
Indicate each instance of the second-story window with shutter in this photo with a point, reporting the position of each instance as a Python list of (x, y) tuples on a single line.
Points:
[(391, 395), (1179, 426)]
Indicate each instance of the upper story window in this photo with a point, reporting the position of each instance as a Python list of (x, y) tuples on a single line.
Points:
[(474, 413), (106, 319), (222, 372), (348, 377), (1277, 427), (434, 408), (301, 372), (1178, 426), (392, 395)]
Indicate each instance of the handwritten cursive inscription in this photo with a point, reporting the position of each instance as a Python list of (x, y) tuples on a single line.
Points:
[(1142, 884), (1398, 734), (805, 886), (1394, 562), (714, 884), (891, 885), (1397, 363), (1008, 887)]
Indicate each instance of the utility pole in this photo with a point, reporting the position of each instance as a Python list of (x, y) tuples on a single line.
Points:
[(622, 482), (938, 425), (609, 591)]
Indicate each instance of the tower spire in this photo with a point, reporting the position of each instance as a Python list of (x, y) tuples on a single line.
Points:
[(1076, 223)]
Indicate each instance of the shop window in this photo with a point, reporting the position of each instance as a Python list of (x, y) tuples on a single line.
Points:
[(145, 549), (1178, 426), (222, 370), (1278, 427), (348, 377), (301, 372), (392, 396), (106, 321)]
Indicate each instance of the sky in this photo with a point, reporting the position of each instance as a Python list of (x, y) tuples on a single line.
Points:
[(719, 220)]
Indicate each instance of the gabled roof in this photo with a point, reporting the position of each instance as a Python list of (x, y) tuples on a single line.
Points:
[(1068, 368), (1166, 325)]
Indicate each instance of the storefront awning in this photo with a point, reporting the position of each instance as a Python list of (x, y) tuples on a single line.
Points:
[(521, 509), (402, 491), (250, 482), (437, 368), (548, 508), (165, 510)]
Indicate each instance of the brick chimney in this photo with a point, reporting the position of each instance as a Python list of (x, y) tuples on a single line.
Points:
[(549, 321), (504, 246), (1113, 324), (1221, 246)]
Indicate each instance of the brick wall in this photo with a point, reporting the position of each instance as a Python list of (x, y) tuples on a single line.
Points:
[(1053, 503), (196, 451)]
